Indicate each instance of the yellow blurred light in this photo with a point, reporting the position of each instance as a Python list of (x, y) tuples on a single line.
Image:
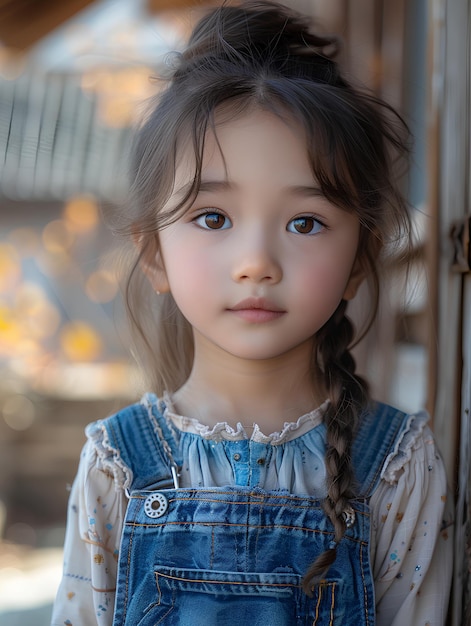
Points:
[(119, 92), (25, 240), (80, 342), (11, 331), (57, 237), (10, 267), (101, 286), (135, 83), (129, 82), (116, 111), (81, 214)]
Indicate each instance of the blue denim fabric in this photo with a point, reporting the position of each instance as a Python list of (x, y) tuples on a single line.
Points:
[(236, 555)]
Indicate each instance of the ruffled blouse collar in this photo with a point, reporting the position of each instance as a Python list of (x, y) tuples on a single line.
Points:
[(222, 431)]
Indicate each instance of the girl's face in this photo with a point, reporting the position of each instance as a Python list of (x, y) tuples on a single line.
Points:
[(260, 260)]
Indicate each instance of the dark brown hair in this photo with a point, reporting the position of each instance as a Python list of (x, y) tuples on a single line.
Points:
[(260, 54)]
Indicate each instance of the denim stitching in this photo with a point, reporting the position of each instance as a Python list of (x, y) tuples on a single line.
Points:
[(211, 559), (365, 593), (332, 605), (253, 526), (318, 603), (158, 588), (227, 582), (126, 586)]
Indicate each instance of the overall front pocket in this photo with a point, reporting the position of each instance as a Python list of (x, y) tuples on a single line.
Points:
[(186, 597)]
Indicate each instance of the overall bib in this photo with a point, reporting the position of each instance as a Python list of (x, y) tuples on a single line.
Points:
[(236, 555)]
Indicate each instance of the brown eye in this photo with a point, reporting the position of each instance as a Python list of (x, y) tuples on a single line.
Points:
[(305, 225), (213, 221)]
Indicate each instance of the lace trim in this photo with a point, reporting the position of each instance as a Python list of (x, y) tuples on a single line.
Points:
[(109, 457), (402, 452), (223, 431)]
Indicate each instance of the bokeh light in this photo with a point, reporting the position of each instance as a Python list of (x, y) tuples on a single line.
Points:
[(81, 214), (18, 411), (11, 331), (57, 237), (80, 342), (101, 286), (10, 269), (25, 240), (54, 263), (39, 316)]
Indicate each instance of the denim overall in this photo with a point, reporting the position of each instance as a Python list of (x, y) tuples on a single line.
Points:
[(236, 555)]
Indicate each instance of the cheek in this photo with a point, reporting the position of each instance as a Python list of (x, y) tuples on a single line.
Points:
[(325, 284), (191, 275)]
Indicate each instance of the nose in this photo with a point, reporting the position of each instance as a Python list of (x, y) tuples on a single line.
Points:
[(258, 260)]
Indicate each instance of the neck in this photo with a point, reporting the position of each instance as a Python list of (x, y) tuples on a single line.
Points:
[(224, 388)]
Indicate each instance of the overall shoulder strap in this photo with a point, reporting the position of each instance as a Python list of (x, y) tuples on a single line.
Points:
[(380, 431), (141, 439)]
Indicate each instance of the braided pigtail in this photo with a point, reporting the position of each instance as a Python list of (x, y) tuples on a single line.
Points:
[(348, 393)]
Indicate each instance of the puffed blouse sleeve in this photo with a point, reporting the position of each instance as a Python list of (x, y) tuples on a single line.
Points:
[(412, 534), (96, 512)]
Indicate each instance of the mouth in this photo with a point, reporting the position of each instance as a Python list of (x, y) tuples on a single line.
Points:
[(257, 310)]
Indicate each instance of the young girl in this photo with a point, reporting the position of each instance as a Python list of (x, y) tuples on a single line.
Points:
[(261, 484)]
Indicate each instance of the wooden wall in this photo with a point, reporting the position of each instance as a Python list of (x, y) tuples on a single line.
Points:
[(450, 184)]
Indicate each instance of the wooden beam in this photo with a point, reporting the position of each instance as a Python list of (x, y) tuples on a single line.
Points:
[(25, 22), (154, 6)]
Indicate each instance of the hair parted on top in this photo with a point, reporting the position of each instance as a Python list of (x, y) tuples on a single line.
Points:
[(260, 54)]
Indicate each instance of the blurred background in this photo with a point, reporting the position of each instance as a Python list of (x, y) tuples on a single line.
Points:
[(74, 76)]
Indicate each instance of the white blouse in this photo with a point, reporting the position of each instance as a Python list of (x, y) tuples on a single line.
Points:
[(411, 542)]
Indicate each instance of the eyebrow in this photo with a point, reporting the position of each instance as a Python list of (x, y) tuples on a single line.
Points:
[(215, 185), (208, 186), (307, 191)]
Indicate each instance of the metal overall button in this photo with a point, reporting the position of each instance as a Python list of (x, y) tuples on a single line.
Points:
[(155, 505)]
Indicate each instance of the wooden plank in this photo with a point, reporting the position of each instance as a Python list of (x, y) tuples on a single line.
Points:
[(363, 52), (435, 98), (24, 22), (452, 81), (462, 589), (452, 197), (154, 6), (393, 18)]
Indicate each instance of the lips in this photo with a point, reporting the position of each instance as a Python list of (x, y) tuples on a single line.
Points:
[(257, 310)]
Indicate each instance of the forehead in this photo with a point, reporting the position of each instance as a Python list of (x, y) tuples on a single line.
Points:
[(252, 145)]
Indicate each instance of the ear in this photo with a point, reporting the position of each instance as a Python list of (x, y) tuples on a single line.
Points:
[(151, 263), (357, 276)]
